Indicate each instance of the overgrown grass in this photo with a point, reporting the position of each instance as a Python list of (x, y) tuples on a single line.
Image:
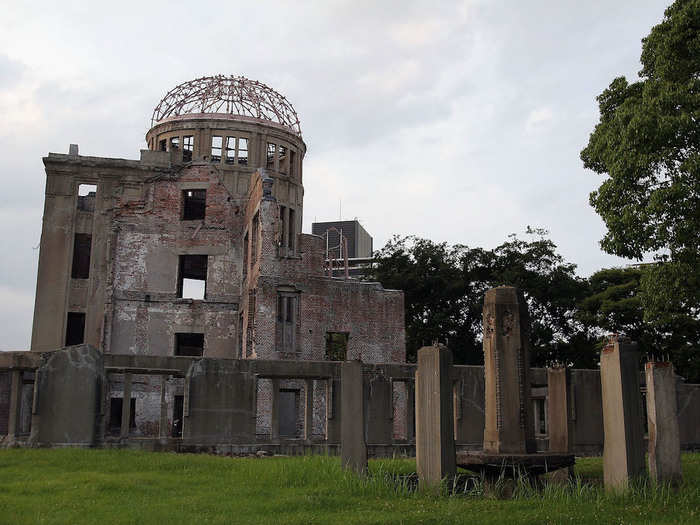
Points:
[(117, 486)]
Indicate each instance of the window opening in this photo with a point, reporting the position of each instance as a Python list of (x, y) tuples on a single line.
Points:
[(540, 416), (174, 143), (243, 151), (271, 151), (178, 415), (194, 203), (282, 156), (81, 256), (187, 147), (292, 230), (230, 150), (216, 145), (189, 344), (287, 305), (251, 323), (337, 346), (75, 328), (288, 412), (116, 405), (163, 145), (292, 162), (192, 278), (86, 197)]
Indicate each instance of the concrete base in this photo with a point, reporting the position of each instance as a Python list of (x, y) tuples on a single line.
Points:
[(513, 465)]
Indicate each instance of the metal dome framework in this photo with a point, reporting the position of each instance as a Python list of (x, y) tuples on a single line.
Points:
[(228, 95)]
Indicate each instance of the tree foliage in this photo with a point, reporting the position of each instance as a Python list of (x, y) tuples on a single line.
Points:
[(647, 142), (445, 285)]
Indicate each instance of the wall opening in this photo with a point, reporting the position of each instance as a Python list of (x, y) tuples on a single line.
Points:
[(283, 159), (192, 277), (189, 344), (292, 230), (86, 197), (289, 412), (292, 162), (287, 315), (116, 405), (271, 153), (242, 152), (337, 346), (163, 145), (75, 328), (194, 204), (82, 244), (178, 415), (187, 147), (216, 146)]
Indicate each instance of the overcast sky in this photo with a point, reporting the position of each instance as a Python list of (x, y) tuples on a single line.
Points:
[(460, 122)]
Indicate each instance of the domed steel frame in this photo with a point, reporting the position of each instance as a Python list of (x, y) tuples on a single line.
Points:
[(229, 95)]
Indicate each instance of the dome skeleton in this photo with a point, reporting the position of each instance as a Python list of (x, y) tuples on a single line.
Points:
[(230, 95)]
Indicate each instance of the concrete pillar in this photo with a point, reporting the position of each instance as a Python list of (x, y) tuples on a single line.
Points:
[(308, 409), (435, 446), (163, 429), (126, 407), (13, 422), (623, 448), (353, 447), (275, 410), (662, 417), (560, 425), (509, 425)]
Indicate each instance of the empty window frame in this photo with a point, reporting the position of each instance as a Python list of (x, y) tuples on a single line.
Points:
[(292, 230), (292, 162), (194, 204), (116, 406), (254, 232), (271, 153), (287, 315), (187, 147), (163, 145), (75, 328), (192, 277), (189, 344), (216, 146), (283, 159), (242, 151), (337, 346), (174, 143), (237, 150), (81, 256), (86, 197)]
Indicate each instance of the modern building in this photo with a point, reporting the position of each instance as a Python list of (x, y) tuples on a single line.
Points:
[(359, 241), (196, 248)]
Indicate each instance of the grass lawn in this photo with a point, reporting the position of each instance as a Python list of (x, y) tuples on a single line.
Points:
[(70, 486)]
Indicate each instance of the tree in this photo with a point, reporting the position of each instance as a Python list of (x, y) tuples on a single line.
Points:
[(648, 144), (445, 285)]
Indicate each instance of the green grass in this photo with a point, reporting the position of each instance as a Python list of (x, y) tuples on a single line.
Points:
[(70, 486)]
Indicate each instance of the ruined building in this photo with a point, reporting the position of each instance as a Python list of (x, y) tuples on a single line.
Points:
[(196, 249)]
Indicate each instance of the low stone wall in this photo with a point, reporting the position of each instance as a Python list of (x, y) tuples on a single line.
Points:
[(215, 407)]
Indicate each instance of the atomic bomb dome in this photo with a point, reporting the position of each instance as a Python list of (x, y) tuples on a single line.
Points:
[(227, 95)]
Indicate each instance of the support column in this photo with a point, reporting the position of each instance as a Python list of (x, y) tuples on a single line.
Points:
[(662, 417), (560, 427), (308, 409), (163, 426), (275, 410), (126, 407), (623, 449), (353, 447), (435, 446), (13, 421)]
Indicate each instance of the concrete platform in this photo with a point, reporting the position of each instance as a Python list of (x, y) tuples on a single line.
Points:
[(513, 465)]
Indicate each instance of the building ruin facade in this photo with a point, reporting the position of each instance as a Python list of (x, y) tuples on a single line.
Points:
[(196, 250)]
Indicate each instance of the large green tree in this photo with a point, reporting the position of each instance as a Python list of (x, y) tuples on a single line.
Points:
[(647, 143)]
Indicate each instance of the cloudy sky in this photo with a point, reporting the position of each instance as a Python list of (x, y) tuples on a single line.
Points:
[(454, 121)]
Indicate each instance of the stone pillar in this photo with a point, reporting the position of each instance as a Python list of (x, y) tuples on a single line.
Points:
[(163, 430), (435, 446), (662, 417), (126, 407), (509, 426), (353, 447), (560, 424), (13, 422), (275, 410), (308, 409), (623, 448)]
